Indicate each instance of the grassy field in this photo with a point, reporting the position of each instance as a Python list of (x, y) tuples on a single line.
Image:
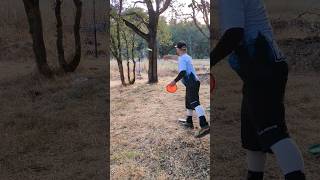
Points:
[(146, 140), (302, 116), (50, 129)]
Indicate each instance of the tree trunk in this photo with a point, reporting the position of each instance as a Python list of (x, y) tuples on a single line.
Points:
[(128, 55), (134, 62), (119, 59), (128, 69), (151, 37), (35, 22), (134, 72), (72, 66), (120, 66), (211, 41), (153, 55), (116, 53), (152, 72)]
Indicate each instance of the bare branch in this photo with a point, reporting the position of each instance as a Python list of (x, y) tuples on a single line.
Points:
[(193, 6), (165, 6), (138, 16), (205, 12), (136, 29), (138, 2)]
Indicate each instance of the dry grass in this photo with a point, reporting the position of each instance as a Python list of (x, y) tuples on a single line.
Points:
[(52, 129), (302, 112), (146, 141), (300, 43), (165, 68)]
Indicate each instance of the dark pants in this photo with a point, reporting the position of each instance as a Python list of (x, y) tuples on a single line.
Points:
[(192, 92), (263, 111)]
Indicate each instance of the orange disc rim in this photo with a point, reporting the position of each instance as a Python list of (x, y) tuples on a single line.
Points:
[(171, 89)]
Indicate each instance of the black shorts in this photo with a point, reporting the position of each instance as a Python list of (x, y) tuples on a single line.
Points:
[(263, 111), (192, 93)]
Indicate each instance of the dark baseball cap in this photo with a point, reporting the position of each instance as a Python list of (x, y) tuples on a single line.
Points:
[(181, 45)]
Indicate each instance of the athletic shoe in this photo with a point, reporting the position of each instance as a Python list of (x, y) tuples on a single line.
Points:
[(186, 125), (202, 132)]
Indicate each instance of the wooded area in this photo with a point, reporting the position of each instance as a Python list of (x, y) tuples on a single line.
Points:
[(154, 35)]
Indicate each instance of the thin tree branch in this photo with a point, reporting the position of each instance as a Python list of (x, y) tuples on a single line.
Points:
[(194, 18), (136, 29), (138, 2), (165, 6), (137, 15)]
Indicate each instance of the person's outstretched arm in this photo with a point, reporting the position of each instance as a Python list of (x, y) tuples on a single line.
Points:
[(180, 76), (229, 41)]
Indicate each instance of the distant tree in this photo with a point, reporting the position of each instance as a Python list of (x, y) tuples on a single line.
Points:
[(35, 23), (198, 45), (164, 37), (206, 10), (116, 43), (125, 43), (130, 38), (202, 7), (154, 11), (71, 66)]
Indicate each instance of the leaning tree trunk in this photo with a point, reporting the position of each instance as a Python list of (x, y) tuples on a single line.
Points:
[(120, 66), (71, 66), (35, 22), (116, 49), (116, 53)]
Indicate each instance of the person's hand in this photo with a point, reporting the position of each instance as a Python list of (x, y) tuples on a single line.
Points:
[(172, 83)]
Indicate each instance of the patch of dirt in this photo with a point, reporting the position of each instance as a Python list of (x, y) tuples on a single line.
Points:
[(302, 53)]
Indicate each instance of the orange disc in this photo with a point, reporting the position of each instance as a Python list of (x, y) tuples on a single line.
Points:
[(171, 89)]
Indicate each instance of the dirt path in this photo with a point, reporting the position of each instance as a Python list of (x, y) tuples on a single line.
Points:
[(147, 142)]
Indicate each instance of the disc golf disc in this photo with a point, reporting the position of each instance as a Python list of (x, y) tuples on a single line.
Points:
[(182, 120), (171, 89)]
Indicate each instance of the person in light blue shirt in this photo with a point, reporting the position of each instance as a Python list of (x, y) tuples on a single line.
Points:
[(256, 58), (185, 64), (191, 81)]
